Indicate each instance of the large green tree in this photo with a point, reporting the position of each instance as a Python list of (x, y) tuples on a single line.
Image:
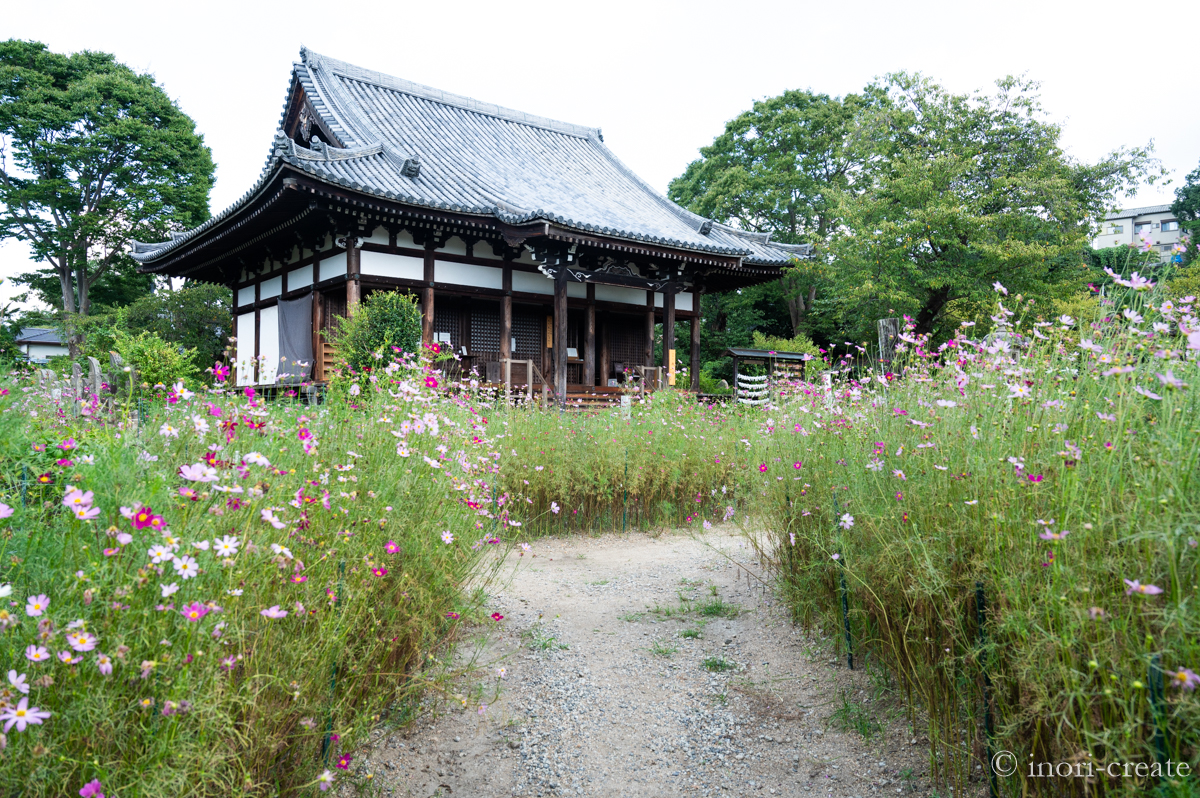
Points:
[(1186, 208), (776, 168), (968, 190), (92, 156)]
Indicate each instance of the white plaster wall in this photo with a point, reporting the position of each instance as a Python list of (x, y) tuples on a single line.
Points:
[(245, 349), (683, 301), (470, 274), (385, 265), (268, 347), (658, 300), (378, 236), (405, 239), (333, 266), (577, 290), (44, 350), (455, 246), (532, 283), (617, 293), (299, 278), (245, 296), (271, 288)]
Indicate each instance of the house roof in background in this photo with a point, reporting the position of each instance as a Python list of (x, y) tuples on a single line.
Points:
[(481, 159), (1130, 213), (39, 335)]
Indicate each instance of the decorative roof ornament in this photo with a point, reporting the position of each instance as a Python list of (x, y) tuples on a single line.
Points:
[(706, 227), (412, 167)]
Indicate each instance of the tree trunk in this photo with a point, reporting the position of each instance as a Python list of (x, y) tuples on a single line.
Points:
[(929, 313)]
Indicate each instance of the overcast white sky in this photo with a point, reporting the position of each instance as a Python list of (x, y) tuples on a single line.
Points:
[(660, 78)]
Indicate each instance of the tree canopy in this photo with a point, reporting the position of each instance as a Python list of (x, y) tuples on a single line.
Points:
[(916, 198), (92, 156)]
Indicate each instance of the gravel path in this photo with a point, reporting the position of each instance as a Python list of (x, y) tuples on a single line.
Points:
[(604, 695)]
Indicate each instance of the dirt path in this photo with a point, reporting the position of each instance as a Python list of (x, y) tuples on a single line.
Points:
[(604, 695)]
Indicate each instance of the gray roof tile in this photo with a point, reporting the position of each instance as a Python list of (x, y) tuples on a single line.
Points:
[(484, 159)]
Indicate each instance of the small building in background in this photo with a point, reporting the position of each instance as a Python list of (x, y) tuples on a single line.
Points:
[(1126, 227), (39, 344)]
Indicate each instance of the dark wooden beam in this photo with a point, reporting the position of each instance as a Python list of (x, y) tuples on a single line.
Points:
[(668, 333), (353, 271), (560, 338), (648, 354), (694, 355), (427, 299), (605, 361), (589, 343), (506, 315)]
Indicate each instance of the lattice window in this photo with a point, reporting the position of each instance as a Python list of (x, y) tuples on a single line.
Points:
[(447, 318), (485, 329), (626, 340), (335, 308), (528, 329)]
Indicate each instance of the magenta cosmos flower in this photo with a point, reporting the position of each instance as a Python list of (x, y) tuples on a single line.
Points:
[(762, 468), (93, 789), (1137, 587), (194, 611), (392, 547), (22, 715)]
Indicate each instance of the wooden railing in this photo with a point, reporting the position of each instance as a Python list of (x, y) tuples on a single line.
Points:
[(530, 372)]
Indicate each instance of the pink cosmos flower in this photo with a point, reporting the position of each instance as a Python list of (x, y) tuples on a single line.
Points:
[(497, 617), (297, 579), (762, 468), (343, 762), (1145, 590), (93, 789), (392, 547), (1048, 535), (17, 680), (220, 371), (1095, 613), (273, 612), (846, 521), (112, 552), (22, 715), (86, 513), (36, 605), (454, 616), (268, 515), (5, 511), (325, 781), (36, 653), (104, 663), (379, 571), (797, 465), (82, 641), (194, 612), (68, 444), (66, 659), (554, 508), (76, 498), (1185, 679), (198, 472), (431, 381)]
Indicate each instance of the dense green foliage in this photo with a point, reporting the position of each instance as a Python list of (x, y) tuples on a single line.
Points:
[(100, 156), (917, 199), (385, 322)]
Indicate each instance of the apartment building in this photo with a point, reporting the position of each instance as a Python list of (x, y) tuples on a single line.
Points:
[(1127, 227)]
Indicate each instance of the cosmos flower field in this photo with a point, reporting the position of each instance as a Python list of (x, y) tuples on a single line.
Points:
[(215, 593)]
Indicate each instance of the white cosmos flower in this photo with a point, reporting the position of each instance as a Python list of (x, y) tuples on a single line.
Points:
[(186, 567)]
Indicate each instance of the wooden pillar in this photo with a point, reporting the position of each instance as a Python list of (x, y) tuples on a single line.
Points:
[(648, 354), (668, 353), (694, 355), (318, 319), (589, 342), (427, 299), (560, 335), (353, 270), (605, 360), (506, 352)]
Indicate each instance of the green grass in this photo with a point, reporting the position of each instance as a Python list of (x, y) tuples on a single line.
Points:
[(852, 716), (718, 664), (661, 649), (538, 638), (690, 634), (718, 608)]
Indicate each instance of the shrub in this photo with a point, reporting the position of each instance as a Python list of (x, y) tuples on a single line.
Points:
[(383, 321), (156, 361)]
